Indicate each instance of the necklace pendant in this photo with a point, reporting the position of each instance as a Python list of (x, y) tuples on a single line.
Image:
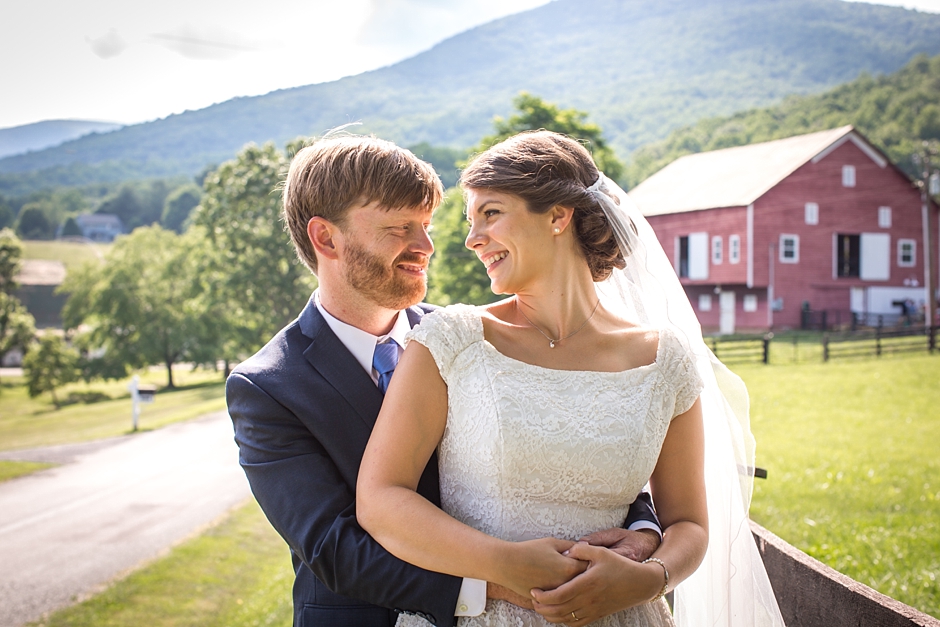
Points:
[(551, 344)]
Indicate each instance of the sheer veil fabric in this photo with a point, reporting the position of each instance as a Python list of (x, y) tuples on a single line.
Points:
[(730, 588)]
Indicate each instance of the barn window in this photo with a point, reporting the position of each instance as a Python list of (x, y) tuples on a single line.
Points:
[(811, 213), (704, 302), (884, 217), (907, 253), (750, 303), (717, 250), (848, 176), (734, 249), (789, 248), (692, 255)]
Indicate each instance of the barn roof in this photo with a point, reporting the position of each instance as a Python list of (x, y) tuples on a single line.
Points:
[(736, 177)]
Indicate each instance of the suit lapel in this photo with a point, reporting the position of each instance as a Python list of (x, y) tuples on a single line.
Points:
[(335, 363)]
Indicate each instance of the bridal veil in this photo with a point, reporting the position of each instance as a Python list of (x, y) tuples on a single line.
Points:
[(730, 588)]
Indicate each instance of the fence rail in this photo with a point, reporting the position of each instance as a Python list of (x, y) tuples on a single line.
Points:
[(875, 342)]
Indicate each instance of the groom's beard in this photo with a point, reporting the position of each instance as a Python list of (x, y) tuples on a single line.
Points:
[(382, 283)]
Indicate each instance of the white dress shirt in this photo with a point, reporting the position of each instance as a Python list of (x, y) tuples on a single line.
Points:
[(472, 598)]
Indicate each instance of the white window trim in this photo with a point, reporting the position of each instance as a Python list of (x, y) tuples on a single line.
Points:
[(796, 247), (734, 249), (913, 244), (717, 250), (884, 217), (848, 176), (811, 213)]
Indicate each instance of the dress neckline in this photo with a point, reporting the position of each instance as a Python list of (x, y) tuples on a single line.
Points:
[(482, 338)]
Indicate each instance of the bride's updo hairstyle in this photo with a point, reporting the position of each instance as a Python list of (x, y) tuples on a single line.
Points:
[(546, 170)]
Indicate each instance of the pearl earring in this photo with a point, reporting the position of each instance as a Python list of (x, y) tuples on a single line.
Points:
[(557, 230)]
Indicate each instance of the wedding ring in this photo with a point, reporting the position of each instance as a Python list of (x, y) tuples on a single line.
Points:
[(574, 616)]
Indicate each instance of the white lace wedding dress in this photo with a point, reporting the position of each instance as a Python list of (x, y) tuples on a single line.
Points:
[(530, 452)]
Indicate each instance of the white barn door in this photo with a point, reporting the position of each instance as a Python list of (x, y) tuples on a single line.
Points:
[(726, 304), (875, 253), (698, 256)]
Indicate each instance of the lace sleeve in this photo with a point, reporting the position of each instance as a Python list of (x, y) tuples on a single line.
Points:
[(678, 365), (446, 332)]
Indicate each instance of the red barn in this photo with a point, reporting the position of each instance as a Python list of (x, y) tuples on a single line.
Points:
[(821, 223)]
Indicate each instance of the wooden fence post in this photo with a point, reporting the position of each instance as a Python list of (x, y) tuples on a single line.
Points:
[(826, 347), (932, 338), (878, 338)]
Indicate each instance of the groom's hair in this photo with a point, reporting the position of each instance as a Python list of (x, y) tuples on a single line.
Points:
[(335, 174)]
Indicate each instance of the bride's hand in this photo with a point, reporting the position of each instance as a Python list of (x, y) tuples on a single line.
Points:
[(538, 564), (611, 583)]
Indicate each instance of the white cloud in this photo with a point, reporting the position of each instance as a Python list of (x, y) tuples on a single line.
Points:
[(111, 44)]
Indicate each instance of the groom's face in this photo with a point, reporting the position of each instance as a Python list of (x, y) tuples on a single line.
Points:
[(386, 254)]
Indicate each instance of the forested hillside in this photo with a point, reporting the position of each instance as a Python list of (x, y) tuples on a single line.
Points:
[(641, 68), (896, 112)]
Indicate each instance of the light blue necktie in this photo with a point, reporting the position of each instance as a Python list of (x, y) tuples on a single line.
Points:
[(384, 361)]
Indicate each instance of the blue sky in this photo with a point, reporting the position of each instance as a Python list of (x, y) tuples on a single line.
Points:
[(129, 62)]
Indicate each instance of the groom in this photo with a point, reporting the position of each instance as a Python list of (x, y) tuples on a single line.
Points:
[(358, 210)]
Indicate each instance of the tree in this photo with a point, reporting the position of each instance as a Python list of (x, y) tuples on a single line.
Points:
[(17, 326), (125, 205), (33, 223), (11, 256), (455, 275), (7, 216), (179, 204), (535, 113), (50, 365), (249, 270), (144, 305), (71, 228)]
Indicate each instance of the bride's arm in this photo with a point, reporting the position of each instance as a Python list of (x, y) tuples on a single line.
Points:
[(611, 582), (407, 431)]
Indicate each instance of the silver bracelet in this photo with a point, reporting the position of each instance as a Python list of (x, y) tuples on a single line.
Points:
[(662, 592)]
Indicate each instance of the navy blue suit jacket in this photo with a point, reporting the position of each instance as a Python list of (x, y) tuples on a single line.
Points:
[(303, 409)]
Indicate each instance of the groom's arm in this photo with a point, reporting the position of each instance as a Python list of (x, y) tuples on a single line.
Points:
[(306, 498)]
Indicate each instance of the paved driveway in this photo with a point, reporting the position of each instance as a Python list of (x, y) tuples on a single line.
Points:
[(114, 503)]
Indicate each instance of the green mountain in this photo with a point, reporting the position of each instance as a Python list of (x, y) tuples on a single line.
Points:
[(897, 112), (642, 68)]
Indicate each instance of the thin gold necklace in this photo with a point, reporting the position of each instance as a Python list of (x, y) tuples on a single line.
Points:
[(551, 342)]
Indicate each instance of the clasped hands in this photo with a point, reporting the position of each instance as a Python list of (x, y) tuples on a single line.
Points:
[(577, 583)]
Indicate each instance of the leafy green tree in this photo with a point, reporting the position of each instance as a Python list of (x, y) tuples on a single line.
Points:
[(126, 205), (535, 113), (33, 223), (179, 204), (455, 275), (71, 228), (17, 326), (50, 365), (11, 256), (248, 267), (144, 305)]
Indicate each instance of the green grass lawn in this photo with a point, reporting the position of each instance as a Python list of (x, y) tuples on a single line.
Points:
[(854, 468), (29, 422), (13, 469), (69, 253), (236, 574)]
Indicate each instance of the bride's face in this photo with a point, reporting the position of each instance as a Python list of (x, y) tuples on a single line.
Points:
[(513, 243)]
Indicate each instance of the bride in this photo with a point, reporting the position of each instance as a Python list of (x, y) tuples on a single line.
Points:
[(551, 410)]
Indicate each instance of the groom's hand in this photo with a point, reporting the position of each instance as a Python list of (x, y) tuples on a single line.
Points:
[(633, 545), (496, 591)]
